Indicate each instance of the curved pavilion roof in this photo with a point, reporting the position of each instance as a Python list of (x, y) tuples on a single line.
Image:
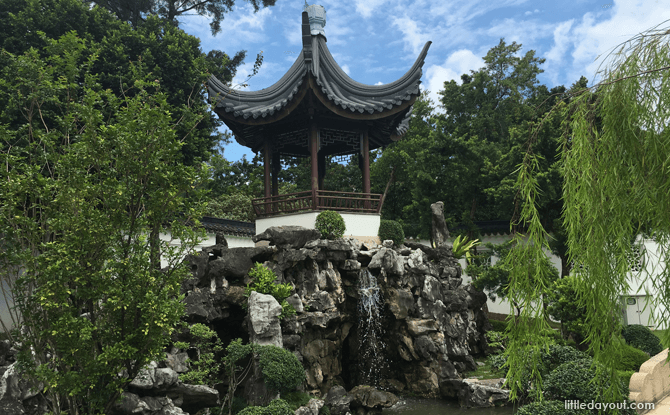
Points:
[(315, 82)]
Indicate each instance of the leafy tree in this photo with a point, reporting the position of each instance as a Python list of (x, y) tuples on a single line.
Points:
[(614, 151), (79, 199), (468, 155), (134, 11), (565, 306), (495, 278), (169, 55)]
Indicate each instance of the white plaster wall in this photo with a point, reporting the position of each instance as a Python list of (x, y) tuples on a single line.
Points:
[(357, 224), (233, 242)]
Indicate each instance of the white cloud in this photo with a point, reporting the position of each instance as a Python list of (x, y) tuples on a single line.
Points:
[(346, 69), (366, 7), (523, 32), (556, 55), (238, 29), (379, 83), (460, 62), (413, 38), (594, 37)]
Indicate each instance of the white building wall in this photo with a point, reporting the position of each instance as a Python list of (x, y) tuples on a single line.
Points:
[(361, 225), (233, 242)]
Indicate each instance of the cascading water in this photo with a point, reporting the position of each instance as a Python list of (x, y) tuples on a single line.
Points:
[(371, 357)]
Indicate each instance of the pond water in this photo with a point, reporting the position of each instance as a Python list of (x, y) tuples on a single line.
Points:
[(420, 406)]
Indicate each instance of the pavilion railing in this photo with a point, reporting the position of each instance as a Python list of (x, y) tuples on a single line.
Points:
[(318, 200)]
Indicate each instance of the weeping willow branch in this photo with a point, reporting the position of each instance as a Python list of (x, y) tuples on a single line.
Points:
[(616, 159)]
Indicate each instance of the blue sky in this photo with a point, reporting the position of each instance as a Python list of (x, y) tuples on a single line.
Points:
[(377, 41)]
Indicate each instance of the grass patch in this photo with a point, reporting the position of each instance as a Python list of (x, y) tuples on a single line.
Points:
[(484, 372)]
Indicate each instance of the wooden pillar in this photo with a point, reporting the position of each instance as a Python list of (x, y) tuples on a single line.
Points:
[(266, 162), (314, 151), (322, 170), (365, 149), (276, 167)]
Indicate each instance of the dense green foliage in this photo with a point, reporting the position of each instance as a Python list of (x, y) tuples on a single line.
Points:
[(614, 154), (205, 370), (94, 179), (576, 380), (391, 230), (564, 305), (235, 206), (276, 407), (282, 371), (167, 54), (264, 283), (330, 224), (495, 278), (134, 11), (642, 338), (631, 359), (296, 399)]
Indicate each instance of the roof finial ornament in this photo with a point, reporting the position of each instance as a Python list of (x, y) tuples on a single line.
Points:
[(317, 18), (306, 5)]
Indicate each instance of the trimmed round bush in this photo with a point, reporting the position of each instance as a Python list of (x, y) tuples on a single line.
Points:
[(282, 371), (573, 381), (276, 407), (390, 229), (330, 224), (558, 355), (550, 408), (642, 338), (631, 359)]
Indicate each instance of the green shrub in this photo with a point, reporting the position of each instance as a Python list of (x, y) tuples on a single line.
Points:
[(625, 376), (390, 229), (205, 370), (296, 399), (558, 355), (497, 325), (631, 359), (497, 361), (324, 410), (276, 407), (496, 340), (550, 408), (264, 283), (330, 224), (573, 381), (642, 338), (282, 371)]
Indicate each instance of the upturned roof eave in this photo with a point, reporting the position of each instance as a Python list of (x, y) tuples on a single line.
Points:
[(331, 81)]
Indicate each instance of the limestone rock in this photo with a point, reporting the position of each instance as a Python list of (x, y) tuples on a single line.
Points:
[(288, 236), (312, 407), (417, 327), (154, 378), (193, 398), (177, 362), (338, 401), (296, 302), (440, 233), (369, 397), (264, 313), (400, 302), (475, 394), (132, 404)]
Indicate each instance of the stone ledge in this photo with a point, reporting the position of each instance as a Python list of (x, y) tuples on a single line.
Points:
[(652, 382)]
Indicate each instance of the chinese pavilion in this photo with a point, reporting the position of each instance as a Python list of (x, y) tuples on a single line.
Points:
[(316, 110)]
